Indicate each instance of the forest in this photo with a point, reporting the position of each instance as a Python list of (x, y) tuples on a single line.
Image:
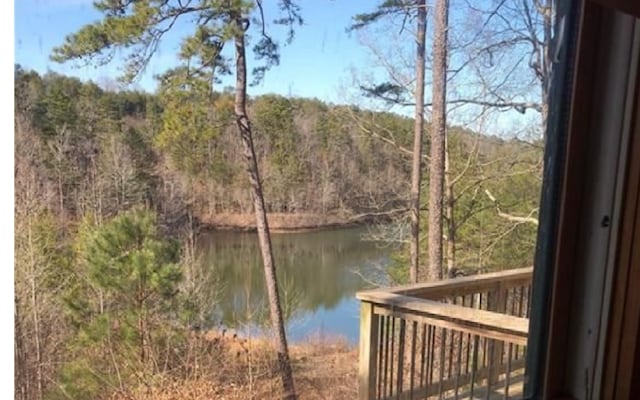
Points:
[(85, 155), (113, 187)]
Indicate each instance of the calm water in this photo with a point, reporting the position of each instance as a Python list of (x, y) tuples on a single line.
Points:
[(318, 273)]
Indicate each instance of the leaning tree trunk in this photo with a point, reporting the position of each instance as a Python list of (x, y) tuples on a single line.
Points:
[(438, 131), (416, 172), (244, 126)]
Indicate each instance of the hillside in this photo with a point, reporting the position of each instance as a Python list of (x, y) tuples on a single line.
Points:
[(101, 151)]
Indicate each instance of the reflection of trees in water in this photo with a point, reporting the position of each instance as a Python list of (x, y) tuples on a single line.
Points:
[(315, 270)]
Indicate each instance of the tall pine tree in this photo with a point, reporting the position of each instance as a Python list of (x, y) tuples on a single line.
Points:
[(139, 26)]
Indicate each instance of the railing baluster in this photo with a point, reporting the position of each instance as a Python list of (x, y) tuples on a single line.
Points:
[(393, 337), (386, 358), (423, 360), (521, 302), (441, 366), (511, 301), (432, 341), (400, 372), (528, 302), (468, 354), (468, 342), (490, 362), (451, 354), (381, 342), (414, 328), (474, 362), (520, 305), (483, 362), (507, 378), (459, 363)]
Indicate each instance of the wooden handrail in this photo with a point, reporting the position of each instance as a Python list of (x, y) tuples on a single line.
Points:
[(484, 313), (458, 286), (489, 324)]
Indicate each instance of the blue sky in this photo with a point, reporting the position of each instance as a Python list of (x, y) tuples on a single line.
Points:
[(314, 65), (319, 63)]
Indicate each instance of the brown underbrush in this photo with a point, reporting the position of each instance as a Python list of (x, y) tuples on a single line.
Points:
[(225, 366)]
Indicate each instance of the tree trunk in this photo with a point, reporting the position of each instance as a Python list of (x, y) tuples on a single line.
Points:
[(244, 127), (416, 172), (142, 326), (438, 131), (450, 203)]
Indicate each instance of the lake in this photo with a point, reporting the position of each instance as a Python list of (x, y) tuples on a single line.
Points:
[(318, 274)]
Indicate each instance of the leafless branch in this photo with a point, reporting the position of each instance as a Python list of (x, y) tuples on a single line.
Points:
[(514, 218)]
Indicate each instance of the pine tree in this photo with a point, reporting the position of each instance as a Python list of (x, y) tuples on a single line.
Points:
[(139, 26), (125, 294)]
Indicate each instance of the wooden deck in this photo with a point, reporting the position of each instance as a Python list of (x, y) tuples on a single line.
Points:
[(462, 338)]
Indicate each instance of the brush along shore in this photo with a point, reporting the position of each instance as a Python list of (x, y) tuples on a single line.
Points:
[(226, 366)]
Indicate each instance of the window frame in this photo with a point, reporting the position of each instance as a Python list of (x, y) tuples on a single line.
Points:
[(570, 130)]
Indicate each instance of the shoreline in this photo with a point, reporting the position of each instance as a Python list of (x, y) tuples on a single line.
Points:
[(284, 222)]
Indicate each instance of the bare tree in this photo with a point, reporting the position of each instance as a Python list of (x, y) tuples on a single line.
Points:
[(438, 134), (479, 56), (506, 56), (509, 56), (416, 165), (407, 8), (37, 316)]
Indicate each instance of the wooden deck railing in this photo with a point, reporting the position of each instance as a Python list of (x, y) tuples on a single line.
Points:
[(455, 338)]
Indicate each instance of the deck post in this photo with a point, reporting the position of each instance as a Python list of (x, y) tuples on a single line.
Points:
[(368, 352)]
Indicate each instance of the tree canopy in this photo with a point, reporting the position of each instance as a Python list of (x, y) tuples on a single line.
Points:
[(138, 26)]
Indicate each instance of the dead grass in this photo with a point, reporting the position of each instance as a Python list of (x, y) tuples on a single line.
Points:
[(233, 368)]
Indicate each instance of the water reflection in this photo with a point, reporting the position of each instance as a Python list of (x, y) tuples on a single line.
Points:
[(318, 272)]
